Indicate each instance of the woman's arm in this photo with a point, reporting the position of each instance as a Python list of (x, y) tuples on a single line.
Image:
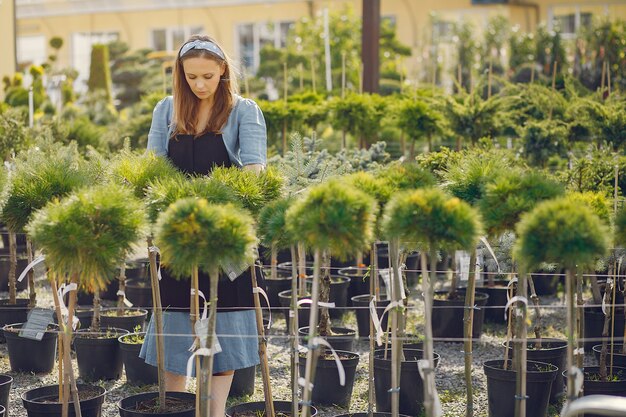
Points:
[(252, 135), (157, 137), (254, 167)]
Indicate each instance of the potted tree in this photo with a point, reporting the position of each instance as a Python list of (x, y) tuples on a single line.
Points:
[(194, 234), (564, 232), (337, 219), (82, 236), (39, 174), (431, 220)]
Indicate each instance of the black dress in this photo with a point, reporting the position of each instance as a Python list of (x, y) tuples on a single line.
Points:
[(198, 156)]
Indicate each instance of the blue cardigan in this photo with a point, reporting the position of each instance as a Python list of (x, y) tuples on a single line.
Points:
[(244, 134)]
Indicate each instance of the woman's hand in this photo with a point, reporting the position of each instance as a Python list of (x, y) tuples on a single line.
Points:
[(254, 167)]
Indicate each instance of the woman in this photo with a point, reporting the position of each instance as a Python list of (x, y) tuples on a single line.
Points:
[(206, 124)]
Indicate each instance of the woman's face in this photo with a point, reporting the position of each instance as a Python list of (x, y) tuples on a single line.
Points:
[(203, 76)]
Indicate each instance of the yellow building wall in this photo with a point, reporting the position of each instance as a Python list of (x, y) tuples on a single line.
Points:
[(7, 41), (413, 18)]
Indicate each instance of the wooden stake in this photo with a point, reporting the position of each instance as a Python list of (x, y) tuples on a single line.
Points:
[(602, 77), (66, 346), (459, 75), (207, 363), (157, 312), (428, 329), (311, 358), (122, 288), (301, 75), (202, 402), (608, 77), (301, 269), (265, 370), (285, 86), (370, 380), (571, 332), (554, 75)]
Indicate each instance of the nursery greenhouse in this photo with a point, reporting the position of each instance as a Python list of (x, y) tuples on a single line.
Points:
[(332, 208)]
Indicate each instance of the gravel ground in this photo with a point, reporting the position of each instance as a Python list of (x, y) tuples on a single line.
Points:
[(450, 373)]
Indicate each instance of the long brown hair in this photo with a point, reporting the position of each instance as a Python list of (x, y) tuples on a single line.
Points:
[(186, 104)]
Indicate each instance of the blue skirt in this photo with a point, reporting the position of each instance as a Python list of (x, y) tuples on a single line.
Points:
[(236, 332)]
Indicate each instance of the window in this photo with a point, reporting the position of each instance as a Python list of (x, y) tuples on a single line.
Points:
[(170, 39), (568, 24), (251, 37), (31, 50), (81, 53)]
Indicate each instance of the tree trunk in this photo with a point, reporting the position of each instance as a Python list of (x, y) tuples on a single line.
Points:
[(396, 343), (12, 268), (520, 349), (274, 262), (31, 275), (207, 363), (203, 379), (301, 269), (122, 290), (370, 380), (579, 318), (69, 372), (468, 319), (311, 357), (95, 320), (605, 332), (324, 324), (570, 279), (429, 400)]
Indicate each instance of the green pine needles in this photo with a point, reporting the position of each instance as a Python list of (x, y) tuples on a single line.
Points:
[(89, 232), (370, 185), (138, 169), (164, 191), (560, 231), (39, 177), (406, 176), (192, 232), (512, 194), (430, 218), (273, 226), (332, 216), (253, 190), (467, 177)]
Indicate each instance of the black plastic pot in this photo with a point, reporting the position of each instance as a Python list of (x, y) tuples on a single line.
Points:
[(494, 309), (127, 406), (29, 355), (592, 386), (243, 382), (619, 359), (326, 387), (361, 305), (359, 281), (2, 411), (138, 372), (5, 389), (546, 283), (17, 313), (108, 318), (594, 324), (99, 358), (274, 287), (85, 298), (501, 388), (338, 294), (447, 317), (84, 315), (554, 352), (284, 299), (286, 266), (139, 292), (411, 384), (337, 264), (342, 339), (258, 409), (20, 238), (41, 402)]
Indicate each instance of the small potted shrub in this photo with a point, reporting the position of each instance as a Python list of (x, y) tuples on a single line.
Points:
[(137, 371), (564, 232), (429, 219), (82, 236), (335, 219)]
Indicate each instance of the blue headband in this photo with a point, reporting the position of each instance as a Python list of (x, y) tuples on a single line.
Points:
[(200, 44)]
